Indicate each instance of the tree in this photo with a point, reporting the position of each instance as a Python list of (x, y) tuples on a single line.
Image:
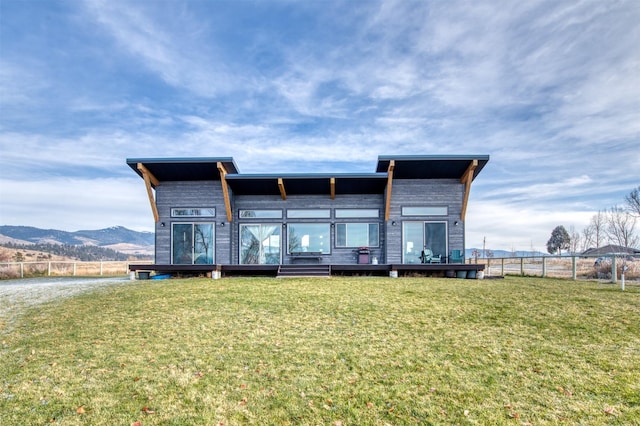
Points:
[(575, 239), (559, 240), (598, 222), (621, 227), (633, 202)]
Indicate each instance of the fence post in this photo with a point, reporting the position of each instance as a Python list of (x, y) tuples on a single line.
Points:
[(48, 269), (502, 271), (575, 267), (100, 268), (522, 266), (75, 264), (544, 266), (21, 270), (614, 270)]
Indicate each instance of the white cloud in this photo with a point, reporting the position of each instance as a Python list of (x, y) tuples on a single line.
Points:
[(76, 203)]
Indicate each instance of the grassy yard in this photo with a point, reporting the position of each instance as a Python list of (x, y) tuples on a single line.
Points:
[(339, 351)]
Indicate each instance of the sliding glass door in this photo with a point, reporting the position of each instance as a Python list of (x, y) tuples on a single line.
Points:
[(417, 236), (192, 243)]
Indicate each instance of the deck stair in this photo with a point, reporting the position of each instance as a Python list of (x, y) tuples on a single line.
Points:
[(304, 270)]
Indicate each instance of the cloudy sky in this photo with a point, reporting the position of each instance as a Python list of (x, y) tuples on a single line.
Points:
[(549, 89)]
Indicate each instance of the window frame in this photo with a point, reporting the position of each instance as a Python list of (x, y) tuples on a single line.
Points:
[(368, 230), (428, 211), (192, 210), (328, 236)]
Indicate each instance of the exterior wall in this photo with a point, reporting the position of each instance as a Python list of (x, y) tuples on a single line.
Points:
[(405, 192), (418, 192), (191, 194), (275, 202)]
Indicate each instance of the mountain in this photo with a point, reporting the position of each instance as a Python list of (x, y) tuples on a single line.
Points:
[(504, 253), (117, 238)]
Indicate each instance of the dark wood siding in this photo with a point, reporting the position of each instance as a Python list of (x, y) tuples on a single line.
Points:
[(338, 255), (406, 192), (418, 192), (191, 194)]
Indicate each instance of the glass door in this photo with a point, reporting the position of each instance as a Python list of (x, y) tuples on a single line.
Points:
[(435, 238), (416, 236), (192, 243), (260, 244)]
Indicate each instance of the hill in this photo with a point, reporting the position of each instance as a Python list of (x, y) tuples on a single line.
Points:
[(118, 239)]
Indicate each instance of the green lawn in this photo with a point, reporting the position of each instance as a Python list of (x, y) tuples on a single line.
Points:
[(339, 351)]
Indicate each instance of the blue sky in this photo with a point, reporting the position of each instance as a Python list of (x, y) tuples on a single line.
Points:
[(549, 89)]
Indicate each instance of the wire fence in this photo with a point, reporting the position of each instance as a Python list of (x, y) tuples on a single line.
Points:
[(608, 268), (63, 269)]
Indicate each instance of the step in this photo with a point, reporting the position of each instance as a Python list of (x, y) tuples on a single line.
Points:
[(290, 271)]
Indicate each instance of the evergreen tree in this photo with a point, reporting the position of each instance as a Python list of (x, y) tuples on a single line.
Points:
[(559, 240)]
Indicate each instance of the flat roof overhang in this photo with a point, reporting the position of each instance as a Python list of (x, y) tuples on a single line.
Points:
[(431, 166), (183, 169), (307, 184)]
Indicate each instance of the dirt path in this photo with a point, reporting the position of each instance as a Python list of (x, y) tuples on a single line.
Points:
[(17, 295)]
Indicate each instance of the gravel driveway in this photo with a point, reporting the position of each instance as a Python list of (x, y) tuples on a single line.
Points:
[(16, 295)]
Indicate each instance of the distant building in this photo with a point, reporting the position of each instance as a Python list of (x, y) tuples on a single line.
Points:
[(610, 250)]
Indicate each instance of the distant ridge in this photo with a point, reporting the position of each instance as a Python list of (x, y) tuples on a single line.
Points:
[(118, 238), (503, 253)]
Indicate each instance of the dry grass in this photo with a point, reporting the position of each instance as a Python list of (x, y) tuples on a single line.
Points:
[(340, 351)]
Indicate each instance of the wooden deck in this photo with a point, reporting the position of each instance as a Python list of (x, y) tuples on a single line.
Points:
[(430, 269)]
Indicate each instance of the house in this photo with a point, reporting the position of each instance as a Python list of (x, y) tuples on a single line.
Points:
[(610, 250), (208, 213)]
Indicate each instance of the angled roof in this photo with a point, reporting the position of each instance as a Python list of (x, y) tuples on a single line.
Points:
[(431, 166), (610, 250), (174, 169), (405, 167), (310, 184)]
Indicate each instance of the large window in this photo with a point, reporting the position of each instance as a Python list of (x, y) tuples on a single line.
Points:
[(357, 235), (417, 236), (260, 244), (309, 237), (192, 243)]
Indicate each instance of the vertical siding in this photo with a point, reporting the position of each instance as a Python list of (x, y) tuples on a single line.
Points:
[(190, 194), (405, 192), (418, 192), (338, 255)]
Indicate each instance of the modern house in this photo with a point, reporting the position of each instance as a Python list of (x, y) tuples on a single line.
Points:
[(410, 211)]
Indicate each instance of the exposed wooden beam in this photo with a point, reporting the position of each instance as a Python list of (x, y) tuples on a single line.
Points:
[(150, 179), (467, 178), (143, 169), (225, 191), (283, 192), (332, 182), (387, 207)]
